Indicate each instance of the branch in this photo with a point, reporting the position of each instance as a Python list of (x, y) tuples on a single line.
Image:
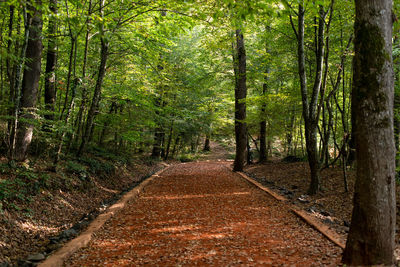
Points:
[(293, 27)]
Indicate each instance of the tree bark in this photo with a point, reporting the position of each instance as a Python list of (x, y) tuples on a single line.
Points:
[(239, 62), (158, 138), (171, 130), (51, 60), (263, 123), (30, 82), (371, 236), (207, 143)]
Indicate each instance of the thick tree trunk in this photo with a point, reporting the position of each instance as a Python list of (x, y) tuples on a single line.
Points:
[(371, 236), (51, 60), (30, 82), (240, 105)]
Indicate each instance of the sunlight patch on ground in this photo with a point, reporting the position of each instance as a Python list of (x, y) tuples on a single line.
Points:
[(211, 253), (104, 188), (30, 227), (197, 196), (207, 236), (175, 229)]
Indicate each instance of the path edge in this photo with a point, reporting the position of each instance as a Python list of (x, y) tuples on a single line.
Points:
[(58, 258), (322, 228)]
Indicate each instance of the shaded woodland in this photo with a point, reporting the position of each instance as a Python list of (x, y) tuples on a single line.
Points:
[(106, 81)]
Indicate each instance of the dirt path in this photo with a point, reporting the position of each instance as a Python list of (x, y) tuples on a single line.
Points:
[(203, 214)]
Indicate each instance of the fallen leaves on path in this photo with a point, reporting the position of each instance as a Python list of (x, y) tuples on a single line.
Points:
[(203, 214)]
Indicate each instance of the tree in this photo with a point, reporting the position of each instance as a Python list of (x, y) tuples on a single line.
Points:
[(239, 62), (99, 82), (311, 109), (371, 236), (51, 60), (30, 82)]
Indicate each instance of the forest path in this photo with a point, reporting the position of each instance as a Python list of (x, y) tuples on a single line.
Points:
[(203, 214)]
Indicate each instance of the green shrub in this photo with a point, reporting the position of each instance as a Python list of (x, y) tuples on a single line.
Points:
[(98, 167), (187, 158), (74, 167), (109, 155), (26, 183)]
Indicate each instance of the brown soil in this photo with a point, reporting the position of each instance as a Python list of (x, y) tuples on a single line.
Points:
[(26, 231), (203, 214)]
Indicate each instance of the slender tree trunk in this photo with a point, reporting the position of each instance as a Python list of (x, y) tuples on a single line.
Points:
[(207, 143), (263, 122), (240, 98), (249, 157), (311, 109), (177, 139), (51, 60), (79, 118), (66, 120), (171, 129), (69, 74), (113, 109), (158, 137), (30, 82), (163, 146), (11, 78), (97, 90), (372, 230)]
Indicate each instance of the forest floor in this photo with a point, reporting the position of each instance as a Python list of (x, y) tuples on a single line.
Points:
[(201, 213), (40, 210), (332, 206)]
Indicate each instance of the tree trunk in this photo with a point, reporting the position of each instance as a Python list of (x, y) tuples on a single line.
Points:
[(207, 143), (176, 144), (371, 236), (66, 120), (30, 82), (240, 98), (311, 109), (51, 59), (113, 109), (263, 123), (158, 137), (171, 130), (97, 90), (79, 118)]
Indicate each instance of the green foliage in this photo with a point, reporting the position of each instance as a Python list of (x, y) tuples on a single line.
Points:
[(74, 167), (107, 154), (98, 167), (187, 158), (20, 185)]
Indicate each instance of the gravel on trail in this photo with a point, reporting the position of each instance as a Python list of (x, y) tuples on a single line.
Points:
[(201, 213)]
